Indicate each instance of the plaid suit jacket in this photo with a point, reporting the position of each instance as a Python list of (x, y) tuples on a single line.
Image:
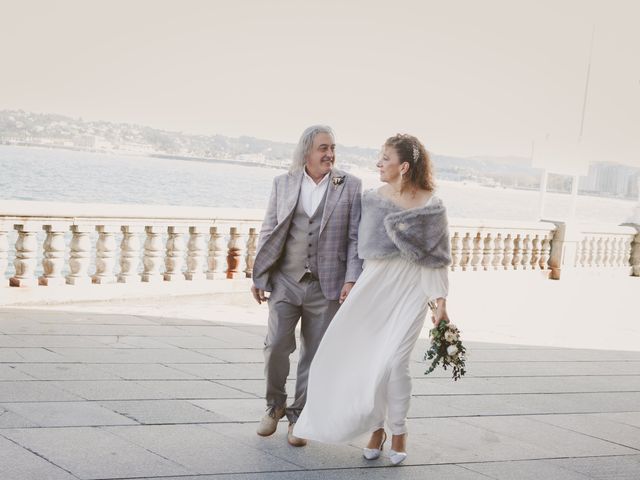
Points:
[(338, 260)]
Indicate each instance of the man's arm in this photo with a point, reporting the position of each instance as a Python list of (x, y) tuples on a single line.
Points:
[(354, 263), (268, 224), (271, 216)]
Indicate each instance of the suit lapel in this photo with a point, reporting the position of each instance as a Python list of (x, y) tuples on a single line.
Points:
[(333, 195), (294, 181)]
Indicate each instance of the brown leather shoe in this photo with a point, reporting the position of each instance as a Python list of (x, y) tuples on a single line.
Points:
[(293, 440), (269, 422)]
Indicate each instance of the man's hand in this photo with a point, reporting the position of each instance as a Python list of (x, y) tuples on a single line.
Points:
[(258, 294), (345, 291)]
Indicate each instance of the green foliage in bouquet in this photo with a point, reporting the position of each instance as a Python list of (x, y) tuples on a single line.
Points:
[(446, 349)]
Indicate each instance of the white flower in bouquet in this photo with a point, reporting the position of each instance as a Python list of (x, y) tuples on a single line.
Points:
[(451, 336), (452, 350)]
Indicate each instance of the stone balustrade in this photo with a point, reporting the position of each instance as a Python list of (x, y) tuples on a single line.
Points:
[(107, 244), (126, 243), (499, 245), (596, 247)]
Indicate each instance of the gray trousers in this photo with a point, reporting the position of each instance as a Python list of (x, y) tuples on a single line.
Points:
[(289, 302)]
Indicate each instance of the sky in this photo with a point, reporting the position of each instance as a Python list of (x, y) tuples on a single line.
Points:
[(469, 78)]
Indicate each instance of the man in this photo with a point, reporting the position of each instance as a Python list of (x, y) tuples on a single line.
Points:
[(308, 259)]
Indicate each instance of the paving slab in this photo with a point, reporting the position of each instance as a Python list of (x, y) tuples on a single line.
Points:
[(66, 414), (144, 371), (13, 372), (33, 391), (526, 470), (64, 371), (497, 385), (17, 463), (28, 355), (605, 468), (224, 371), (93, 453), (249, 410), (555, 441), (130, 355), (9, 419), (200, 449), (405, 472), (151, 412), (596, 426), (237, 355)]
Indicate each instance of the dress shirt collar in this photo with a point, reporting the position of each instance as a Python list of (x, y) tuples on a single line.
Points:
[(308, 178)]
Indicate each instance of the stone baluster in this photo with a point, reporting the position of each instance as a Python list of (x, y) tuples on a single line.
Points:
[(579, 254), (26, 255), (634, 255), (5, 227), (477, 252), (79, 255), (535, 252), (525, 252), (584, 247), (130, 254), (252, 243), (498, 252), (153, 254), (487, 252), (196, 254), (174, 259), (217, 257), (599, 252), (591, 249), (624, 247), (606, 254), (545, 252), (517, 255), (466, 252), (508, 252), (53, 256), (455, 251), (609, 247), (234, 254), (106, 254)]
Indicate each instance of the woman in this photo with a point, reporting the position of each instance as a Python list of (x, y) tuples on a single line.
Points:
[(360, 375)]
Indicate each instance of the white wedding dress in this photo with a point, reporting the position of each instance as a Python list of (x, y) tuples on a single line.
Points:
[(359, 377)]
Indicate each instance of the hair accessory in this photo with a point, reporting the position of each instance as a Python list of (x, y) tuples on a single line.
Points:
[(416, 153)]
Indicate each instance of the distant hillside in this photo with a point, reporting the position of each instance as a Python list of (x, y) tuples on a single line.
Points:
[(19, 127)]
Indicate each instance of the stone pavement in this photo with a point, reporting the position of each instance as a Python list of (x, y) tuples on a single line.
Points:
[(95, 393)]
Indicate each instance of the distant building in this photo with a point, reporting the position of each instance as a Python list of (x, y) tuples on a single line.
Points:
[(611, 179)]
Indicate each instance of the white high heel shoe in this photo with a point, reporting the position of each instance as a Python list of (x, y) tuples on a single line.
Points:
[(397, 457), (373, 453)]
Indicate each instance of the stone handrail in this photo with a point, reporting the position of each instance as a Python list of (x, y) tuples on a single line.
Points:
[(211, 243)]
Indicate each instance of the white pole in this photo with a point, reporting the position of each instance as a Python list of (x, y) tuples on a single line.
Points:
[(574, 197), (543, 192)]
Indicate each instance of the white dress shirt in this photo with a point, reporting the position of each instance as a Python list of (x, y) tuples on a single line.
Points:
[(311, 193)]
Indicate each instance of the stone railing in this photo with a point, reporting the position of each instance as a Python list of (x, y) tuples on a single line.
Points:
[(482, 245), (58, 244), (595, 248), (125, 243)]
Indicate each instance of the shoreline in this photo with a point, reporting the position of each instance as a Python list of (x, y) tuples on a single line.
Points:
[(359, 171)]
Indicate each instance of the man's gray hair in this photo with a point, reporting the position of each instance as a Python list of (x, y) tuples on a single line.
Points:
[(306, 143)]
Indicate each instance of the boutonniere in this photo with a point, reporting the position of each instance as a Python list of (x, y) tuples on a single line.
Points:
[(337, 180)]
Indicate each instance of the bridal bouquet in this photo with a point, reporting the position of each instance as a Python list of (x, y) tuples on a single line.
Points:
[(446, 348)]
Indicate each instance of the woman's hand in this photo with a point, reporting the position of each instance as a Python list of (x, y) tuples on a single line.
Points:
[(441, 312)]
